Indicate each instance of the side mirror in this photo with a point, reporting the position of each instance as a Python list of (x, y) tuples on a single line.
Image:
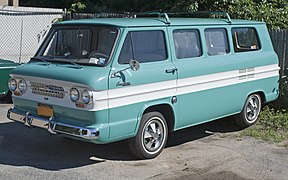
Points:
[(134, 65)]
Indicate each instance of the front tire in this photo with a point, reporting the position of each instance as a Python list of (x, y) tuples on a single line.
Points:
[(151, 137), (250, 112)]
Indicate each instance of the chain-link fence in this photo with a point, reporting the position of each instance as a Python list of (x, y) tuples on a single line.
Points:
[(21, 32)]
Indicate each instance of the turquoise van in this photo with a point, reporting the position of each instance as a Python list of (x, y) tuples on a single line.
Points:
[(109, 79)]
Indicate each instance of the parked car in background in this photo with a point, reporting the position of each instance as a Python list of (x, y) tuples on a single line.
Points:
[(5, 67)]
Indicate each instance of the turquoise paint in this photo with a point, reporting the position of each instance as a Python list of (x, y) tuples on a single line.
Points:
[(92, 76), (211, 104), (200, 106), (265, 56), (163, 101), (146, 70), (204, 106), (83, 116), (123, 120)]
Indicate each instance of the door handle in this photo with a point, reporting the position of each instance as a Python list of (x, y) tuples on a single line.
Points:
[(173, 70), (123, 84)]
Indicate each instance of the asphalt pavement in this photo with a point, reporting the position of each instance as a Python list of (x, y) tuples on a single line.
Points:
[(208, 151)]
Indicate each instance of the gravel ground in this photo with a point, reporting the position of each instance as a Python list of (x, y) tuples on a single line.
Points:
[(209, 151)]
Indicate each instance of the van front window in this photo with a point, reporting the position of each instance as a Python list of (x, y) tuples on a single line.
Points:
[(80, 45)]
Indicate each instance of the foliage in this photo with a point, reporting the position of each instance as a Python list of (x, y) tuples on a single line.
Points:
[(272, 125), (273, 12), (75, 7), (273, 120), (282, 101)]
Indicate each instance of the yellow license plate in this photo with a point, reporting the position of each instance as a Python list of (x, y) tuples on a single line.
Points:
[(45, 110)]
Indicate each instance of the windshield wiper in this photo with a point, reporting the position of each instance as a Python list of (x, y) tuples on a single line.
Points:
[(48, 63), (67, 55), (38, 58), (78, 65)]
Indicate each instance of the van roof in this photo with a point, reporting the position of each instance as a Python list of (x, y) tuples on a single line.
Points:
[(155, 22)]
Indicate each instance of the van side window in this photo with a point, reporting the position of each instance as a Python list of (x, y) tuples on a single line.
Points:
[(143, 46), (187, 43), (216, 41), (245, 39)]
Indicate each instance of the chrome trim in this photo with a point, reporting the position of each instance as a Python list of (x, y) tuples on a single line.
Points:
[(28, 120), (52, 126), (8, 67), (47, 90)]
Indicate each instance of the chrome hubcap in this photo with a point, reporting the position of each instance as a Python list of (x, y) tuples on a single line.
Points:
[(252, 109), (153, 134)]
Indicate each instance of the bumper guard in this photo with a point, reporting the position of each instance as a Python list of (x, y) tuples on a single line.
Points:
[(53, 126)]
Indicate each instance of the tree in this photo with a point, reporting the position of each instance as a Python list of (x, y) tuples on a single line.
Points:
[(273, 12)]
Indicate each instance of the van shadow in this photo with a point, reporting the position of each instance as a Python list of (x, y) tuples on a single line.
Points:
[(23, 146), (224, 125), (6, 99)]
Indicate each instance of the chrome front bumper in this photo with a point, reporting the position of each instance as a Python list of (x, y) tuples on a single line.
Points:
[(53, 126)]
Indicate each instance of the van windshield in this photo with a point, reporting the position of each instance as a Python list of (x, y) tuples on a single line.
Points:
[(90, 45)]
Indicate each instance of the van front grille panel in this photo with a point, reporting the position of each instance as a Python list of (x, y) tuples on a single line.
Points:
[(47, 90)]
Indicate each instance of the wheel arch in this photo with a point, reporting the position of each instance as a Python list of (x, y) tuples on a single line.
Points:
[(261, 94), (164, 108), (243, 119)]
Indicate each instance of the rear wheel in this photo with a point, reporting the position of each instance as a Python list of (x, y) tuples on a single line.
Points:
[(250, 111), (151, 137)]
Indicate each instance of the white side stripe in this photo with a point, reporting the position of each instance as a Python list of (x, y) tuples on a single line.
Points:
[(136, 94), (210, 81)]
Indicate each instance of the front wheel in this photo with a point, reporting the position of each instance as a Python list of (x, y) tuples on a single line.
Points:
[(151, 137), (250, 111)]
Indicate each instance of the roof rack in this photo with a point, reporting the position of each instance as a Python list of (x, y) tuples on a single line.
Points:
[(217, 13), (159, 14), (173, 14), (166, 15)]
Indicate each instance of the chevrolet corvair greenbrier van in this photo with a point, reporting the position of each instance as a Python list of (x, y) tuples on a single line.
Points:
[(109, 79)]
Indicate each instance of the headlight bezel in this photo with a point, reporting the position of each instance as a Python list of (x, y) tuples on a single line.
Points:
[(86, 96), (83, 96), (72, 94), (22, 86), (10, 86)]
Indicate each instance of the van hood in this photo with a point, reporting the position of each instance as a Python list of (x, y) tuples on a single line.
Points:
[(91, 76)]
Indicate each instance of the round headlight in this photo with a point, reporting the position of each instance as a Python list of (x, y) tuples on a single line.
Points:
[(12, 84), (22, 86), (74, 94), (86, 96)]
